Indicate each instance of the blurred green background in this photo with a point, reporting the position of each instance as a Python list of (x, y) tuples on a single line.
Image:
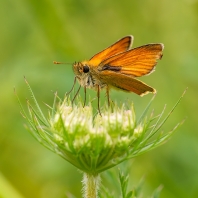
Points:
[(35, 33)]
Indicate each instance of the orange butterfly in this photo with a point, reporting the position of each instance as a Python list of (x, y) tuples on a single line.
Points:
[(117, 66)]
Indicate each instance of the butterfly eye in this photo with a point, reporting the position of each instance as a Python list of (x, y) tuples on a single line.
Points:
[(85, 69)]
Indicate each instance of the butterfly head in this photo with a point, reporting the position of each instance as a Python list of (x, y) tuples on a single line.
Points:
[(82, 72), (80, 69)]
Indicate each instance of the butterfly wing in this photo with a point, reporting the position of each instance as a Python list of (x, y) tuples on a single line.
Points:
[(126, 83), (120, 46), (135, 62)]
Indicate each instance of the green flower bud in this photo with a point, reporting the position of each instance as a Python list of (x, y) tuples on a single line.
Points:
[(95, 143)]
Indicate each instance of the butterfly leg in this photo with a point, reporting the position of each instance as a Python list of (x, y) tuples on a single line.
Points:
[(107, 93), (98, 95), (72, 87), (85, 91), (76, 94), (110, 102)]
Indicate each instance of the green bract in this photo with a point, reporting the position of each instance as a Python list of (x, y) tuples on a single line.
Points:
[(95, 143)]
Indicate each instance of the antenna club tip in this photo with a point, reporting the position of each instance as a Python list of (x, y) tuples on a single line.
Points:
[(56, 62)]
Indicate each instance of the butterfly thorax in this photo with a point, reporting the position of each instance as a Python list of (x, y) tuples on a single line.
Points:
[(86, 75)]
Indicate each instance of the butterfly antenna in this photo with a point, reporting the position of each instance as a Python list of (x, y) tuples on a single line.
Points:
[(56, 62)]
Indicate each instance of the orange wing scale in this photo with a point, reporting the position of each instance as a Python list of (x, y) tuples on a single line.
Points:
[(135, 62), (120, 46)]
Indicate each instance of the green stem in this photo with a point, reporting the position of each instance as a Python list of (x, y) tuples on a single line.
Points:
[(91, 185)]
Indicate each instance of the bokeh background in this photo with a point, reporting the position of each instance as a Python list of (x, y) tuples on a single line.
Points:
[(35, 33)]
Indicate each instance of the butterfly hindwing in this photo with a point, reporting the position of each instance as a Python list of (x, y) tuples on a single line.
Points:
[(126, 83)]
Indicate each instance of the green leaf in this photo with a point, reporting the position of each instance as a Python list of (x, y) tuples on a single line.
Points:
[(124, 183), (105, 193), (129, 194), (156, 193)]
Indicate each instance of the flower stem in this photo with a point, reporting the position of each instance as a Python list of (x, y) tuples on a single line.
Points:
[(91, 185)]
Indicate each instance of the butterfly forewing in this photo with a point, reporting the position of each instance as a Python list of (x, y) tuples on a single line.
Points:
[(135, 62), (120, 46)]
